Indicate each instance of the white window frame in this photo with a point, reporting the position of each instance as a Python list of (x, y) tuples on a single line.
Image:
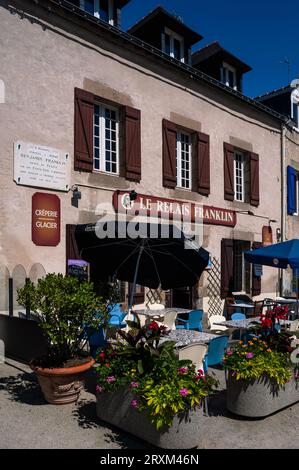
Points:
[(96, 9), (226, 68), (102, 141), (179, 159), (239, 163), (172, 35), (295, 102)]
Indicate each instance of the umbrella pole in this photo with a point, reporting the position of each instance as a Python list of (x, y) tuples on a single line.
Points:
[(135, 277)]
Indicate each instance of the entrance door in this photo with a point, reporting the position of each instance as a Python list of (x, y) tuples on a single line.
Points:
[(139, 294), (180, 297)]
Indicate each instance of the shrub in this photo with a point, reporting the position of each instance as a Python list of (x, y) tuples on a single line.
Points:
[(65, 306)]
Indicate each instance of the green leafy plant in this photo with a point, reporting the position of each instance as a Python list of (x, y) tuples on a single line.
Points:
[(65, 307), (256, 359), (162, 385)]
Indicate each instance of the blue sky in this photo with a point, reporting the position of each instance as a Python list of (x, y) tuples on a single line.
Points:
[(260, 32)]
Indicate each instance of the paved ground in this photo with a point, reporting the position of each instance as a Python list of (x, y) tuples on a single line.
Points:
[(27, 421)]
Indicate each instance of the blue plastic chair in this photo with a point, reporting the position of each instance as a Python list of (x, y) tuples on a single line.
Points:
[(117, 316), (96, 339), (238, 316), (215, 353), (193, 322)]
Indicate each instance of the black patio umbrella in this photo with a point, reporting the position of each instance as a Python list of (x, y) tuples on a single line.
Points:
[(151, 255)]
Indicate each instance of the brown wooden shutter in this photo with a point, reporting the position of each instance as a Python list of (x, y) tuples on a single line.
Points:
[(227, 270), (256, 282), (229, 191), (254, 180), (71, 247), (132, 144), (83, 130), (203, 163), (169, 154)]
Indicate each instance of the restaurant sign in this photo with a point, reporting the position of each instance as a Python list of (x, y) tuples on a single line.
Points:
[(45, 219), (153, 206)]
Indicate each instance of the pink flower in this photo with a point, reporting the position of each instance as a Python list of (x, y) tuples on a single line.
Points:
[(249, 355), (111, 378), (184, 392), (134, 404), (229, 352), (200, 372), (134, 385), (182, 370), (99, 389)]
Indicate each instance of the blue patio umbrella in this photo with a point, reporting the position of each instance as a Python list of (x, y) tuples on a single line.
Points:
[(279, 255)]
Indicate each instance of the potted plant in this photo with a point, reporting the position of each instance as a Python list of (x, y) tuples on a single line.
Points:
[(66, 308), (143, 388), (262, 373)]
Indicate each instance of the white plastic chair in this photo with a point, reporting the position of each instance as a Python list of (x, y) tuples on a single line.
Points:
[(169, 319), (294, 325), (156, 306), (195, 353), (216, 319)]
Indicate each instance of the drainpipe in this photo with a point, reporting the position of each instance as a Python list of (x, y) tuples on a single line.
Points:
[(283, 198)]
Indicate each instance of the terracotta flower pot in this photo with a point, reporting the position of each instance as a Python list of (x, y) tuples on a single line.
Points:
[(61, 386)]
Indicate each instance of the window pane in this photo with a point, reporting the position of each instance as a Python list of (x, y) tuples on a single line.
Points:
[(104, 12), (89, 6), (177, 49), (231, 78), (167, 44), (183, 160)]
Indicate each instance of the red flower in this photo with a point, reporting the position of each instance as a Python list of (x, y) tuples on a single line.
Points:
[(107, 364), (153, 326), (102, 356)]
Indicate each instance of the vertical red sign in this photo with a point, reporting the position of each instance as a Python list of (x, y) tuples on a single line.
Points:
[(45, 219)]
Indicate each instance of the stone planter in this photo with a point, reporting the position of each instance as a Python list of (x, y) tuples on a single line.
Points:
[(259, 398), (115, 408), (61, 386)]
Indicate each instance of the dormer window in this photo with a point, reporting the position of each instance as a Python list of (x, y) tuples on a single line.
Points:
[(173, 45), (229, 76), (102, 9)]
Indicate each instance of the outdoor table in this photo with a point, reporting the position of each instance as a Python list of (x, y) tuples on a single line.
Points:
[(244, 324), (185, 337), (160, 313), (244, 306)]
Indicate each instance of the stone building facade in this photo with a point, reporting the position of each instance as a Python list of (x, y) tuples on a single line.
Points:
[(57, 64)]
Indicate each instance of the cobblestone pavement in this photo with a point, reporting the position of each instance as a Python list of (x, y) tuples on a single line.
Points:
[(27, 421)]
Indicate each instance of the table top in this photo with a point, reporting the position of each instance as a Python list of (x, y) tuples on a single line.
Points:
[(185, 337), (153, 313), (245, 323), (243, 305), (280, 300)]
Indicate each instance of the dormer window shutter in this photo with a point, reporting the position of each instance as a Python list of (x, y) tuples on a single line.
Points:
[(83, 130), (229, 191), (254, 180), (203, 163), (169, 154), (132, 143)]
